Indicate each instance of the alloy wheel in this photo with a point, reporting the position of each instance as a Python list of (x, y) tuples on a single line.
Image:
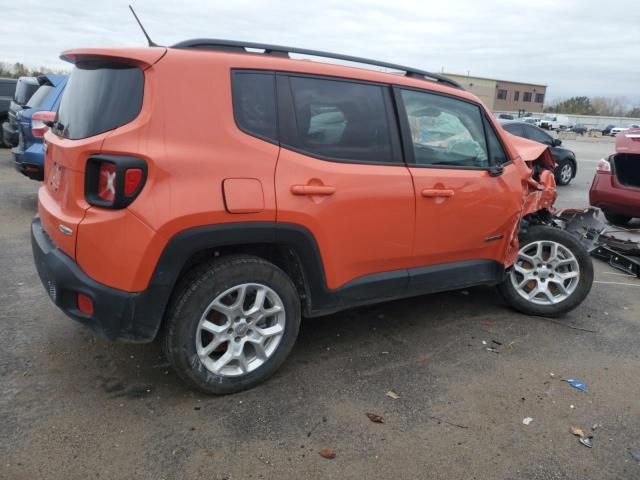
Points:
[(545, 272), (240, 329)]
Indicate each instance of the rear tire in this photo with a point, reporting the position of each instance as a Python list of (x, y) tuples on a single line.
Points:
[(552, 274), (231, 324), (620, 220)]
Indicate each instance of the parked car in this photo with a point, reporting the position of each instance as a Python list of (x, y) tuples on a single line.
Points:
[(565, 159), (28, 154), (616, 184), (25, 88), (607, 129), (7, 90), (218, 235), (580, 129), (555, 122), (505, 116), (615, 131)]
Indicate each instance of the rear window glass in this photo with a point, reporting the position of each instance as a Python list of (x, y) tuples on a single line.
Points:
[(40, 97), (99, 97), (24, 91)]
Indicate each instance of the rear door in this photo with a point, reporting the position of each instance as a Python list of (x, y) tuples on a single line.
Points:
[(340, 175), (468, 194)]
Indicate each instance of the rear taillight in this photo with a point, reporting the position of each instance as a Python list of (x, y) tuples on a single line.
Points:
[(114, 182), (603, 166), (39, 123)]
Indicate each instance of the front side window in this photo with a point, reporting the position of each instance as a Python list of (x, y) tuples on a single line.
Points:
[(254, 103), (340, 120), (99, 97), (445, 131)]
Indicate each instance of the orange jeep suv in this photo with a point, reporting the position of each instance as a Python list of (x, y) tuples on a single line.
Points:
[(212, 193)]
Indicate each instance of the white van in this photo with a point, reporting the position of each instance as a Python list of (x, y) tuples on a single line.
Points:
[(555, 122)]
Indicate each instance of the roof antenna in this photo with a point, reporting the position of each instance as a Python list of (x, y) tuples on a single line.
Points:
[(151, 42)]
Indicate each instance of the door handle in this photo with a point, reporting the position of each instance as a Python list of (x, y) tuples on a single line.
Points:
[(312, 190), (431, 193)]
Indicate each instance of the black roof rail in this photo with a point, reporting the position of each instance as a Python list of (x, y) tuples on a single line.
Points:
[(279, 50)]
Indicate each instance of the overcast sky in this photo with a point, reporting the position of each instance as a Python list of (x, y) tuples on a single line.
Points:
[(576, 47)]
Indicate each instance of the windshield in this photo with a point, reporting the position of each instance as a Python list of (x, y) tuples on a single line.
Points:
[(99, 97)]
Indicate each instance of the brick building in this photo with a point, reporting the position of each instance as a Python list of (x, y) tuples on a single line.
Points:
[(503, 95)]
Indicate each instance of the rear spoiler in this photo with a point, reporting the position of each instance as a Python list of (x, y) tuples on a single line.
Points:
[(142, 57)]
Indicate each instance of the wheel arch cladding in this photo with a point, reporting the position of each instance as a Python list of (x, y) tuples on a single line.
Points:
[(291, 247)]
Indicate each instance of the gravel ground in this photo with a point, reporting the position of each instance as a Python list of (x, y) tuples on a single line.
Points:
[(76, 407)]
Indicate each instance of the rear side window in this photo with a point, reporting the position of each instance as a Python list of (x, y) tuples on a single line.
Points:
[(445, 131), (254, 104), (340, 120), (99, 97), (40, 97)]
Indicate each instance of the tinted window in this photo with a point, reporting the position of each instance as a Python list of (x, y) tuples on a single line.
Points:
[(537, 135), (514, 128), (40, 96), (99, 97), (254, 103), (496, 152), (445, 131), (340, 120)]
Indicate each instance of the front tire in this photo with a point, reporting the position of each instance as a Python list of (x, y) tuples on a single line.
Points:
[(564, 173), (552, 274), (231, 324)]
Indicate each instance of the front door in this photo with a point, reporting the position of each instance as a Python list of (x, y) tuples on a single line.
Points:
[(465, 209)]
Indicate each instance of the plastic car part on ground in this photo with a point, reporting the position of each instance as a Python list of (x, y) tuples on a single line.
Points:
[(584, 224)]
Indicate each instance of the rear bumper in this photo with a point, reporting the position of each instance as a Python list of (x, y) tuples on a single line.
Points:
[(607, 194), (29, 162), (117, 315)]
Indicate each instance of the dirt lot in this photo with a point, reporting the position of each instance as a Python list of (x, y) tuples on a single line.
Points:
[(72, 406)]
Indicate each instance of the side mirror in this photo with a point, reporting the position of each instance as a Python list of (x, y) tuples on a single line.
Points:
[(556, 142)]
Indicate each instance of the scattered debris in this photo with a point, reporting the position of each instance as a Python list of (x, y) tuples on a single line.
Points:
[(527, 420), (488, 324), (496, 342), (392, 394), (587, 441), (635, 454), (441, 420), (484, 342), (578, 432), (552, 375), (573, 327), (594, 426), (572, 407), (492, 350), (327, 453), (375, 418), (576, 384)]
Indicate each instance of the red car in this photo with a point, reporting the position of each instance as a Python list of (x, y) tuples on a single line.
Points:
[(616, 185)]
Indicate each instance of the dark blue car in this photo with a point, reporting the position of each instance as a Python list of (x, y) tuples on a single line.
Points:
[(28, 154)]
